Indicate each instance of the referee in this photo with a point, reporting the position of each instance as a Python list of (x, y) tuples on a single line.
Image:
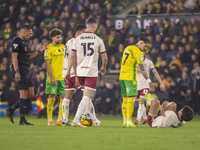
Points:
[(20, 70)]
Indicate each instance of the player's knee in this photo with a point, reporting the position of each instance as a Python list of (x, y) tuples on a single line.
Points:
[(142, 100), (171, 106), (166, 102), (52, 96), (155, 102)]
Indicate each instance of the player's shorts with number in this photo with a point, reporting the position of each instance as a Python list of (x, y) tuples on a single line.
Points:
[(142, 93), (128, 88), (59, 89)]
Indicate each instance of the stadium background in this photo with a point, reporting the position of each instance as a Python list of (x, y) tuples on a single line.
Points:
[(173, 27)]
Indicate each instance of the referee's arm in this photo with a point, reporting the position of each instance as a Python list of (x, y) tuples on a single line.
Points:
[(16, 68), (15, 61), (33, 55), (41, 48)]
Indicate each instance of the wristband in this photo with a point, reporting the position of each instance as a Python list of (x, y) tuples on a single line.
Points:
[(17, 71), (148, 80), (39, 51)]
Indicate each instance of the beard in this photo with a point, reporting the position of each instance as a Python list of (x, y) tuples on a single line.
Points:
[(58, 42)]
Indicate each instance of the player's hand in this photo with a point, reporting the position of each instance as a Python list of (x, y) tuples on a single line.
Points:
[(53, 81), (42, 47), (189, 92), (162, 87), (41, 93), (164, 104), (152, 89), (151, 85), (77, 83), (17, 77), (67, 76), (103, 71)]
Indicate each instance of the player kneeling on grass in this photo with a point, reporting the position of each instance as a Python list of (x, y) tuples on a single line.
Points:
[(167, 117)]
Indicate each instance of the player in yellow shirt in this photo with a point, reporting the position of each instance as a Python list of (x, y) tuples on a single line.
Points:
[(55, 84), (132, 57)]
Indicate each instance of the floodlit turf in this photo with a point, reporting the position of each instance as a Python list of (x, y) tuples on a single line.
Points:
[(110, 136)]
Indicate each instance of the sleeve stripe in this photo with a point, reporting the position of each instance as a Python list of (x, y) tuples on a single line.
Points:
[(152, 68), (140, 63), (74, 50), (102, 52), (47, 59)]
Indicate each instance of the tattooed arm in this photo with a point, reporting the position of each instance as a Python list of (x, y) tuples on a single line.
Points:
[(144, 73)]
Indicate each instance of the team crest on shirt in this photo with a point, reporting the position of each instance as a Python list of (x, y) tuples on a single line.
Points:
[(25, 49), (46, 52), (15, 46), (59, 50), (142, 58)]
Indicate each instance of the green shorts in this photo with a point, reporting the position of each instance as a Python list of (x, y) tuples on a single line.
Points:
[(59, 89), (128, 88)]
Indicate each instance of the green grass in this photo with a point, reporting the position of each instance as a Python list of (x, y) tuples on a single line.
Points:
[(110, 136)]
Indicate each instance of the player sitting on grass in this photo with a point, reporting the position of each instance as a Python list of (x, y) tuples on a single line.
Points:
[(167, 117)]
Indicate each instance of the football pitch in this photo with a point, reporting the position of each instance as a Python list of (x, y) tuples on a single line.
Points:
[(110, 136)]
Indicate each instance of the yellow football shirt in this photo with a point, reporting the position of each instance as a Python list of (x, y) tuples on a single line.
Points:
[(132, 56), (56, 55)]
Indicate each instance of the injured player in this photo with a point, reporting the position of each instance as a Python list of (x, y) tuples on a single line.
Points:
[(167, 116)]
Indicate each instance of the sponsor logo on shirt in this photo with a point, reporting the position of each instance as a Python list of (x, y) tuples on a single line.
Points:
[(85, 67), (46, 52)]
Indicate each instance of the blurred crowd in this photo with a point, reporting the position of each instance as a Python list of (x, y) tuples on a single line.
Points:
[(166, 7), (174, 48)]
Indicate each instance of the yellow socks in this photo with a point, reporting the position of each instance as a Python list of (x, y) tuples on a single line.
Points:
[(60, 114), (124, 108), (130, 107), (50, 104)]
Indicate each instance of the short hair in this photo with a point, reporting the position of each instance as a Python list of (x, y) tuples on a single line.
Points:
[(187, 113), (55, 32), (91, 20), (144, 39), (25, 27), (80, 27)]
